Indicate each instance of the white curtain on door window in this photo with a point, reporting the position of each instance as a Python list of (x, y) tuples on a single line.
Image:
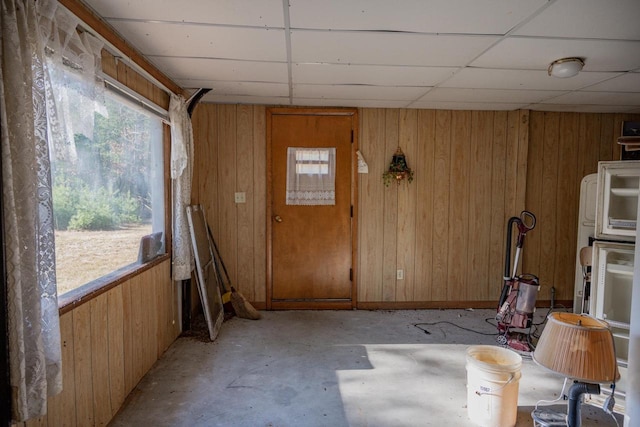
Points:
[(311, 176), (181, 176), (32, 306)]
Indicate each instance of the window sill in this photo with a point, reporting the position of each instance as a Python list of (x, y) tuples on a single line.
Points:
[(91, 290)]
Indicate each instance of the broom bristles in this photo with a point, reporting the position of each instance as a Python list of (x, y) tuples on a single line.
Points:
[(242, 307)]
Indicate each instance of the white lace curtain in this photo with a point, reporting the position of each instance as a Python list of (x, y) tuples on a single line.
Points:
[(34, 333), (39, 43), (311, 176), (75, 87), (181, 175)]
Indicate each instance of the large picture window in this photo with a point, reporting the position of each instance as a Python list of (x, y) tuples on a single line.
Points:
[(108, 187)]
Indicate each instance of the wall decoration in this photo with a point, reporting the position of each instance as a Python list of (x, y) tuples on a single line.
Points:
[(398, 169)]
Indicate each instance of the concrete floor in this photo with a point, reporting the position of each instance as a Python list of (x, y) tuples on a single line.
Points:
[(329, 368)]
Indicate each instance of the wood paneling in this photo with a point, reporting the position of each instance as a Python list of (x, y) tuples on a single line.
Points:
[(102, 410), (121, 331), (82, 365), (447, 229), (61, 409), (256, 291), (459, 221), (115, 319), (563, 148), (407, 203), (424, 206), (441, 193), (371, 197), (390, 210), (230, 157)]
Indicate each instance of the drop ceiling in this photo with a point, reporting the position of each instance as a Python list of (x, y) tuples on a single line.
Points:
[(451, 54)]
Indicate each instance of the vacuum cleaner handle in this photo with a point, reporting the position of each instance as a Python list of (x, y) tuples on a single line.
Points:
[(526, 222)]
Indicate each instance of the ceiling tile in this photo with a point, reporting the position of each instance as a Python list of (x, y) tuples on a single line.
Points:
[(361, 92), (363, 103), (377, 48), (240, 99), (434, 16), (204, 41), (537, 53), (446, 105), (587, 19), (221, 69), (629, 82), (488, 95), (264, 13), (597, 98), (521, 79), (239, 88), (370, 74)]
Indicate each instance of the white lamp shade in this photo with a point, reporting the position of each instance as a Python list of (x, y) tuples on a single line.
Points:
[(579, 347)]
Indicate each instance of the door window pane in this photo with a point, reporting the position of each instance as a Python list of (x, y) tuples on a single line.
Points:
[(311, 176)]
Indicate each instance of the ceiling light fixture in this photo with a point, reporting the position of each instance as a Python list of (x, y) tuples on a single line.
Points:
[(565, 67)]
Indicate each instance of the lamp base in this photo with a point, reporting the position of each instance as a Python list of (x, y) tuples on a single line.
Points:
[(575, 401)]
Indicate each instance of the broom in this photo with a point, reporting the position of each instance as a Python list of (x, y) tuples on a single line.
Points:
[(241, 306)]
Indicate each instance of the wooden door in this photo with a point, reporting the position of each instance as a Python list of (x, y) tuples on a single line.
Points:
[(311, 246)]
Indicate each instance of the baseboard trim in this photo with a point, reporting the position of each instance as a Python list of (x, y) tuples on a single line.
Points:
[(401, 305), (421, 305)]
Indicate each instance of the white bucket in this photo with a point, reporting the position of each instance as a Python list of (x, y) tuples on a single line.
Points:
[(493, 375)]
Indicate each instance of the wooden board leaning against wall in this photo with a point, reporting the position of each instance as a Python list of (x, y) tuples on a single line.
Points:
[(445, 230)]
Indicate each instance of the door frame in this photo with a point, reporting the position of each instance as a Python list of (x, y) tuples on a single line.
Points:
[(278, 111)]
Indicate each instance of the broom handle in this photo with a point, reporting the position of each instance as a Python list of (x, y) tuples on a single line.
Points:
[(217, 255), (214, 261), (221, 283)]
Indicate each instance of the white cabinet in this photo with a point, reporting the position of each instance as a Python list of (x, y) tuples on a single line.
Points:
[(617, 207), (612, 272), (613, 254)]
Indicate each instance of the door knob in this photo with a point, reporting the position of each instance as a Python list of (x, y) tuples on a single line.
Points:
[(277, 218)]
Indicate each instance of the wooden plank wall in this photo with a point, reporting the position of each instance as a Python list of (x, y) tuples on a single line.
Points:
[(108, 344), (563, 148), (446, 230), (230, 156)]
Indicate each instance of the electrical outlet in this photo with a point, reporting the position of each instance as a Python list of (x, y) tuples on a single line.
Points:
[(241, 197), (400, 274)]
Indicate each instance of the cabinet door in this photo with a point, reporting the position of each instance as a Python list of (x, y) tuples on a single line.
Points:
[(617, 207), (612, 278)]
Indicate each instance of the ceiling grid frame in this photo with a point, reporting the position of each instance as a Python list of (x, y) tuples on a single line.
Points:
[(376, 29)]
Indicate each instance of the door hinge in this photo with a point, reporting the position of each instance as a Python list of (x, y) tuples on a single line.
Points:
[(352, 136), (351, 212), (351, 274)]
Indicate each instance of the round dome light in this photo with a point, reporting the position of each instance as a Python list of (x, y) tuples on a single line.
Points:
[(565, 67)]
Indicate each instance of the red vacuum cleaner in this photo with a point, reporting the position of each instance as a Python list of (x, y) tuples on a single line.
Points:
[(518, 297)]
